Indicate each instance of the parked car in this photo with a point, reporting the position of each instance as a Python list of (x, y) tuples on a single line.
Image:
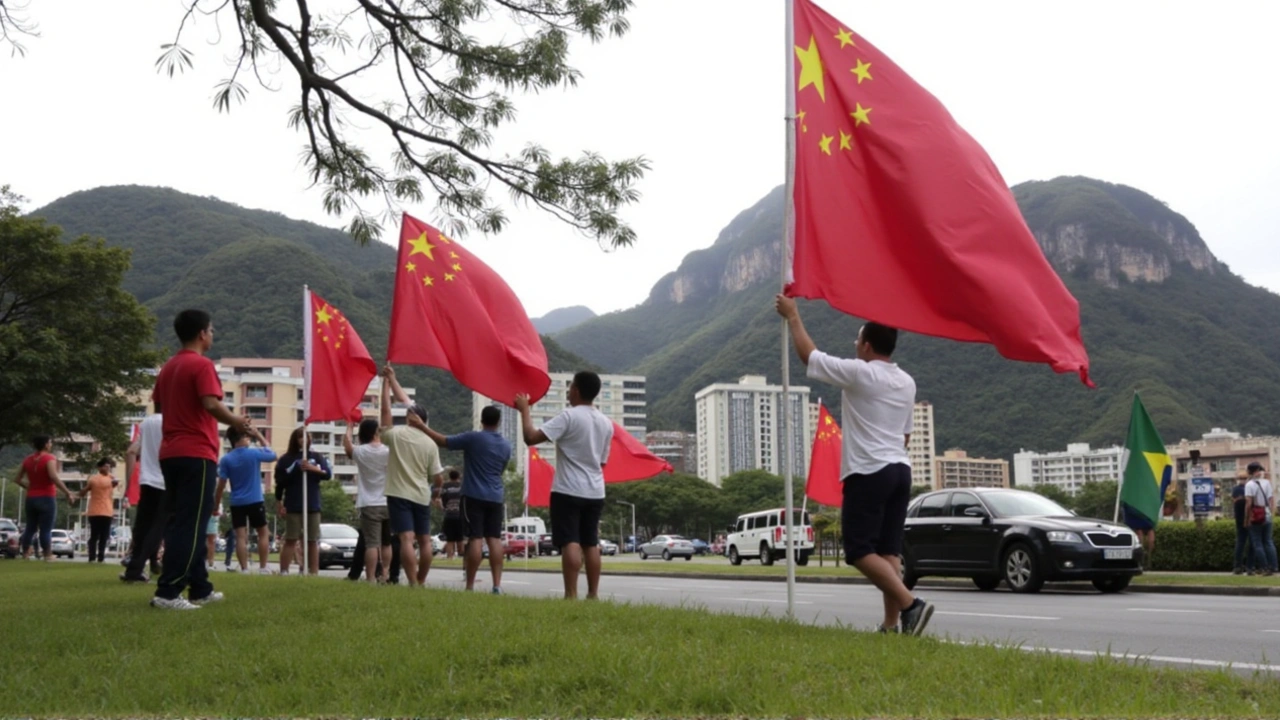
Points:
[(337, 544), (608, 547), (633, 543), (546, 547), (667, 547), (9, 536), (763, 535), (994, 535), (62, 544), (520, 545), (700, 547)]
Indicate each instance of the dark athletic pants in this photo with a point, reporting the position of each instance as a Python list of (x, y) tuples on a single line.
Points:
[(99, 531), (189, 485), (149, 521), (357, 562)]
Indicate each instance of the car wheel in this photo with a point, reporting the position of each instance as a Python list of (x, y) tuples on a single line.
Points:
[(986, 583), (766, 557), (643, 556), (1021, 569), (1112, 584), (688, 558), (734, 557), (802, 559), (666, 555)]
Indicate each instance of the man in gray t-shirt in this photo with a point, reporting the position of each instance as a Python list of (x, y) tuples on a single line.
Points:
[(1259, 512)]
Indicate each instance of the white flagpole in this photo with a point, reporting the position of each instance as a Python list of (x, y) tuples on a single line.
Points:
[(787, 232), (306, 411)]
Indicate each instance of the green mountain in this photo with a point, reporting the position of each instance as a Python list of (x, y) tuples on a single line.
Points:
[(1160, 315), (562, 319), (247, 268)]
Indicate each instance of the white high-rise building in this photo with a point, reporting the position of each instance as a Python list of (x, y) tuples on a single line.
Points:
[(740, 428), (621, 399), (922, 448), (1069, 470)]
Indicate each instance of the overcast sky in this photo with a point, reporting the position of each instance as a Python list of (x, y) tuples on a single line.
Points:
[(1175, 98)]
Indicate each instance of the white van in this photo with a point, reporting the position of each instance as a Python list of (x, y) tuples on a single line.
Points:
[(763, 534), (527, 526)]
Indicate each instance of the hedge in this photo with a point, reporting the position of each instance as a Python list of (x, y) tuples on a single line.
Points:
[(1185, 546)]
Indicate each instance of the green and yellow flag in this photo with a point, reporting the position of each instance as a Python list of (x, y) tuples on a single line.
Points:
[(1148, 469)]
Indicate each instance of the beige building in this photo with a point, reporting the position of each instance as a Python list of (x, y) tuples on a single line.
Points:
[(677, 447), (1222, 455), (622, 399), (922, 448), (739, 428), (955, 469)]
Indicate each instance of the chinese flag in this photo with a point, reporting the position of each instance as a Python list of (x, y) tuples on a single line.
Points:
[(538, 475), (338, 368), (630, 460), (131, 489), (451, 311), (823, 485), (902, 218)]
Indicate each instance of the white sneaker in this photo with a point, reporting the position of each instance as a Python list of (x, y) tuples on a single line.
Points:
[(178, 603), (264, 571), (212, 597)]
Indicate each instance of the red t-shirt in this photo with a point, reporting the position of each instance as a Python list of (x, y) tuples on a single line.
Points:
[(37, 467), (189, 430)]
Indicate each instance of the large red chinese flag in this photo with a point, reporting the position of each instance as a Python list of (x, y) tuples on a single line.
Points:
[(823, 485), (902, 218), (630, 460), (451, 311), (131, 489), (338, 368), (538, 475)]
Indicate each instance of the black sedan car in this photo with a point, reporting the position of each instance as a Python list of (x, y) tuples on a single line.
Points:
[(994, 535), (337, 544)]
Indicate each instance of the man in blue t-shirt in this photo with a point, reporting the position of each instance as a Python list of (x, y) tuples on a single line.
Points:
[(242, 467), (485, 454)]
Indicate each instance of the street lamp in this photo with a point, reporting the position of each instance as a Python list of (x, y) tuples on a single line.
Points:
[(633, 526)]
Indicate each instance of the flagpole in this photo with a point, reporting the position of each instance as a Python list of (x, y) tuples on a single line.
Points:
[(788, 218), (306, 399)]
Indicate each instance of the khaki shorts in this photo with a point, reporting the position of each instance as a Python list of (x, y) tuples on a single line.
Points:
[(293, 526), (375, 526)]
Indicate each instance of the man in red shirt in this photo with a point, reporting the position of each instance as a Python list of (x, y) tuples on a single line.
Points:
[(190, 392)]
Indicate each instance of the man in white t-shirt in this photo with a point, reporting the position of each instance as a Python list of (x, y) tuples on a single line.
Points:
[(876, 400), (370, 457), (151, 516), (582, 435), (1260, 494)]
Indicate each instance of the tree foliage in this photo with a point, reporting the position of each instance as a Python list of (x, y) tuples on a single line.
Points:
[(73, 344), (336, 506)]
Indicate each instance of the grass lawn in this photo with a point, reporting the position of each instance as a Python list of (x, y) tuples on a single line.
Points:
[(78, 643)]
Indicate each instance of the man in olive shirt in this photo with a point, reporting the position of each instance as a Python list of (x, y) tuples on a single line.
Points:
[(413, 466)]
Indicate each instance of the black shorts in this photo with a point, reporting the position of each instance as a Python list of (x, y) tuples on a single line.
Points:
[(254, 516), (454, 529), (575, 520), (481, 518), (875, 511)]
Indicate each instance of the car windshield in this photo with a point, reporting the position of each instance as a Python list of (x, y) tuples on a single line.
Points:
[(338, 531), (1013, 504), (8, 525), (675, 537)]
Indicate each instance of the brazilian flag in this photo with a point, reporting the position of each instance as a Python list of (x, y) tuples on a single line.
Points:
[(1148, 469)]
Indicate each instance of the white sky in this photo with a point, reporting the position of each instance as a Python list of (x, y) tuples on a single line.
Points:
[(1176, 98)]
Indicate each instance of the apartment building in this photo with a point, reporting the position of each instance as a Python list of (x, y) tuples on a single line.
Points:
[(1068, 470), (739, 427), (955, 469)]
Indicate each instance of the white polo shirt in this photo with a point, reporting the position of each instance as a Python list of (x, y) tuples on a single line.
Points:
[(876, 400), (150, 435)]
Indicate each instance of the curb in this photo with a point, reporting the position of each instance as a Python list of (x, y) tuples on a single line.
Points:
[(1228, 590)]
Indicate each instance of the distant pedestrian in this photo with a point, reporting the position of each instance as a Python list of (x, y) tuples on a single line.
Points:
[(190, 392), (241, 468), (211, 537), (413, 470), (38, 475), (1260, 510), (1244, 549), (151, 515), (876, 402), (454, 527), (292, 470), (373, 551), (582, 435), (99, 488)]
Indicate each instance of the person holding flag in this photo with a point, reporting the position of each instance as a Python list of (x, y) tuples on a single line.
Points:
[(296, 470), (414, 476)]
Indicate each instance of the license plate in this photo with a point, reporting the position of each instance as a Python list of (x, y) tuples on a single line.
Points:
[(1118, 554), (348, 553)]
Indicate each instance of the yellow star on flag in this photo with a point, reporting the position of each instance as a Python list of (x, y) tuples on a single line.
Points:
[(421, 245), (457, 266), (453, 255), (443, 239), (860, 115), (323, 316), (410, 267), (845, 37), (448, 277), (825, 143), (863, 71), (800, 116), (428, 281), (811, 68), (846, 143)]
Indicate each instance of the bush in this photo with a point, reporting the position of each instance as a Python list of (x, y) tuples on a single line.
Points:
[(1191, 547)]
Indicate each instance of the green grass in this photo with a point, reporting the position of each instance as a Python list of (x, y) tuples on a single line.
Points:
[(78, 643)]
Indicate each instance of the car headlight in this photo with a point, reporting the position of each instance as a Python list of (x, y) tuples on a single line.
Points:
[(326, 546), (1062, 536), (1136, 542)]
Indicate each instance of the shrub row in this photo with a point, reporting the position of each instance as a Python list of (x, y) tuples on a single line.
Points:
[(1185, 546)]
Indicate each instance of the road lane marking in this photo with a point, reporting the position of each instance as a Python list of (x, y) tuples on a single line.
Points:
[(504, 582), (994, 615), (1271, 631), (1165, 610), (1136, 657), (766, 600)]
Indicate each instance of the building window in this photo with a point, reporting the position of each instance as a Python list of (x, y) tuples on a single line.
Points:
[(256, 413), (255, 392), (300, 419), (300, 398)]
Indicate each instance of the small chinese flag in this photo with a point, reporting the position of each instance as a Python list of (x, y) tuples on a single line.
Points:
[(132, 491), (538, 476), (338, 368), (902, 218), (823, 485), (451, 311), (630, 460)]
